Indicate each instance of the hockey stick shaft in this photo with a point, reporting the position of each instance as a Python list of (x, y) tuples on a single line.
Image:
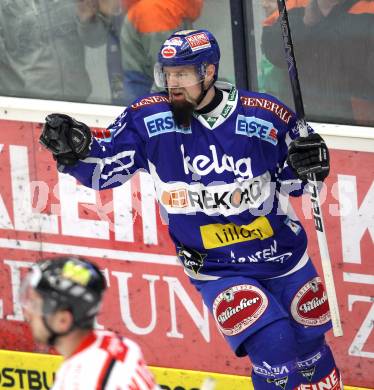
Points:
[(314, 193)]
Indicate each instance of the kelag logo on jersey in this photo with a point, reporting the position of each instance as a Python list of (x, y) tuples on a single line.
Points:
[(162, 123), (256, 127), (204, 164)]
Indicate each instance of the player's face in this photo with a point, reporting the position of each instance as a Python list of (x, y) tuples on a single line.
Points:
[(32, 305), (183, 83)]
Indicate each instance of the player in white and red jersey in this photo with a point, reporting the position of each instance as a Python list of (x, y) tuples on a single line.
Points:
[(104, 361), (60, 299)]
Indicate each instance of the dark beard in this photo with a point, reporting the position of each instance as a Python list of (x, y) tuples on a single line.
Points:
[(182, 113)]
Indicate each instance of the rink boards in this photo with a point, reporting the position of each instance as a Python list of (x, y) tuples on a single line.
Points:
[(31, 371)]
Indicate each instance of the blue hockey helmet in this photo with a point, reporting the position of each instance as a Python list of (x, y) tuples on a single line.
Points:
[(187, 47)]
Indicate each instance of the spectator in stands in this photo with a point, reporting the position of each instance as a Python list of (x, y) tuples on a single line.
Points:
[(272, 79), (41, 50), (146, 26), (135, 29), (61, 298), (334, 42), (102, 21)]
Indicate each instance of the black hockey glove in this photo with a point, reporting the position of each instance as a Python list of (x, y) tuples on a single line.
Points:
[(67, 139), (309, 155)]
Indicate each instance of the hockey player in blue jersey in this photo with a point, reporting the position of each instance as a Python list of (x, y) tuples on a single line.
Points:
[(220, 159)]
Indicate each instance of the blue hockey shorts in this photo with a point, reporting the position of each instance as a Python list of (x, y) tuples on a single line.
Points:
[(241, 305)]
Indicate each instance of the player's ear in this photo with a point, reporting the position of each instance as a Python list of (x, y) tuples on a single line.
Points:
[(62, 321), (210, 69)]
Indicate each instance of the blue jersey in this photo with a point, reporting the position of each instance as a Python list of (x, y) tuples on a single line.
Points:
[(219, 180)]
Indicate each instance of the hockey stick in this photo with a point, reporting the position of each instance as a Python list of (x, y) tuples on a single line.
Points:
[(314, 194)]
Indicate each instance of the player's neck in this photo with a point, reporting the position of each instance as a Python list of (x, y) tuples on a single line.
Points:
[(209, 99), (67, 345)]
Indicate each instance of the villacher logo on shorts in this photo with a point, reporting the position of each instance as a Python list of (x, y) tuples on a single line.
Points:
[(310, 306), (238, 307)]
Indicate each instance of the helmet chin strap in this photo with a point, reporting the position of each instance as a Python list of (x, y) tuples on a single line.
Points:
[(204, 91)]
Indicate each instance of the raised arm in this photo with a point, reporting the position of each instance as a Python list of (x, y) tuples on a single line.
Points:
[(96, 164)]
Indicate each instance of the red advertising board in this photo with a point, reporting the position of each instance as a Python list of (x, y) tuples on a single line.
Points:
[(44, 213)]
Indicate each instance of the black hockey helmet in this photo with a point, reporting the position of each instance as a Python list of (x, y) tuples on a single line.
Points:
[(68, 283)]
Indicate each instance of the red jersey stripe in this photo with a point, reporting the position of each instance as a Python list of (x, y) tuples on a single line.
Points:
[(105, 372)]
